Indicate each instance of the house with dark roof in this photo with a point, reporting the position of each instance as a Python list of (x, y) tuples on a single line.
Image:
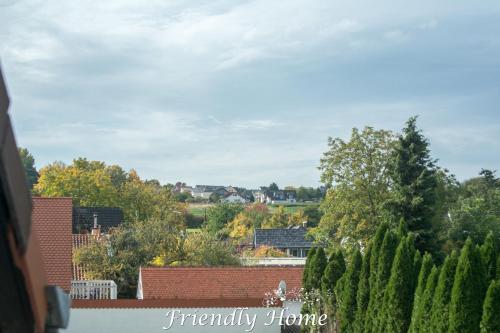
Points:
[(292, 241), (107, 217), (250, 285)]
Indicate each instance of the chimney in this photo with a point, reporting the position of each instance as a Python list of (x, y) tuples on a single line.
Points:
[(96, 230), (304, 224)]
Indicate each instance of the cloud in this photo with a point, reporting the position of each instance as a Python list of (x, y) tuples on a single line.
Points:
[(247, 91)]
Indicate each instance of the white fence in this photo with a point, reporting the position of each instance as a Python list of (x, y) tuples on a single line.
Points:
[(270, 261), (93, 289)]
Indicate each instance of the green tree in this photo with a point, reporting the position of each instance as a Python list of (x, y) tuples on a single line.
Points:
[(87, 182), (490, 322), (425, 270), (317, 268), (356, 173), (383, 273), (476, 212), (132, 245), (415, 183), (274, 187), (220, 215), (29, 166), (347, 309), (489, 257), (440, 312), (307, 270), (421, 320), (398, 299), (332, 274), (363, 294), (468, 291), (278, 219), (204, 249)]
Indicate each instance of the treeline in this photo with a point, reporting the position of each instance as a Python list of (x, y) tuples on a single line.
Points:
[(390, 287), (379, 177)]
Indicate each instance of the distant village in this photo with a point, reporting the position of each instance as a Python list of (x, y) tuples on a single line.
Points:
[(271, 194)]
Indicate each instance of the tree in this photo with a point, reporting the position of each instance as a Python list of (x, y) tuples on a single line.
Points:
[(440, 312), (476, 211), (489, 257), (279, 219), (363, 295), (87, 182), (273, 187), (29, 166), (204, 249), (264, 251), (490, 321), (468, 291), (383, 272), (307, 270), (132, 245), (421, 320), (220, 215), (214, 198), (313, 215), (356, 173), (240, 228), (348, 292), (414, 181), (425, 270), (316, 269), (334, 270), (398, 299)]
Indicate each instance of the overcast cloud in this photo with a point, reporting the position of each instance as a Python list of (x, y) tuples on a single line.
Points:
[(246, 93)]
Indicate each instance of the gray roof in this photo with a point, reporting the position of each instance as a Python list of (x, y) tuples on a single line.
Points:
[(282, 238)]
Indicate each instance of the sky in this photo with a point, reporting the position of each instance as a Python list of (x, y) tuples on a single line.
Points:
[(247, 92)]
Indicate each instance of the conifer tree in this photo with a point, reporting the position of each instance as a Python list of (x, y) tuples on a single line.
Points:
[(490, 322), (417, 265), (425, 270), (489, 257), (397, 306), (414, 176), (333, 272), (440, 312), (307, 268), (317, 268), (383, 272), (363, 295), (468, 291), (347, 309), (422, 318)]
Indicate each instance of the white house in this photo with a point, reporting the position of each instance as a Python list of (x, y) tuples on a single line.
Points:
[(234, 198)]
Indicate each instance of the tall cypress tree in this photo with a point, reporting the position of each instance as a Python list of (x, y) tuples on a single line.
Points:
[(383, 272), (440, 312), (396, 314), (349, 290), (363, 296), (317, 268), (414, 176), (307, 268), (489, 257), (422, 319), (425, 270), (333, 272), (490, 322), (468, 291)]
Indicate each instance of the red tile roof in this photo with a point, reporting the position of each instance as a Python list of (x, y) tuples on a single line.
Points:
[(163, 303), (202, 283), (52, 218)]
